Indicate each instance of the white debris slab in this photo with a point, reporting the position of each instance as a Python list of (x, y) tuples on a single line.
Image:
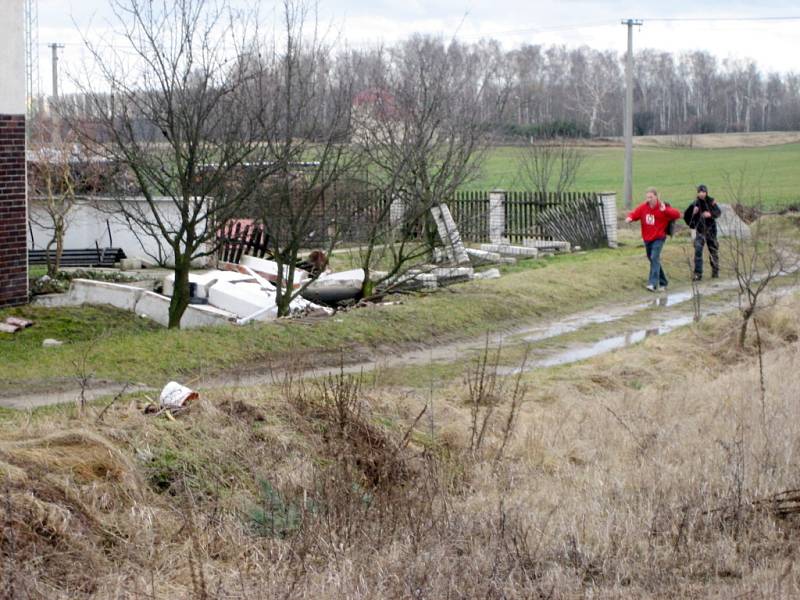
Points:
[(546, 244), (243, 299), (204, 280), (156, 308), (482, 257), (514, 251), (89, 291), (416, 280), (335, 287), (487, 274), (449, 275), (269, 269)]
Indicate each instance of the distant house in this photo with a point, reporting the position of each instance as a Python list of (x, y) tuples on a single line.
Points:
[(375, 115)]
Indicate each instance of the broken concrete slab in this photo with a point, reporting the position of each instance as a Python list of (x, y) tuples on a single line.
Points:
[(331, 288), (89, 291), (415, 280), (269, 269), (156, 308), (134, 299), (243, 299), (483, 257), (449, 234), (204, 280), (729, 224), (554, 245), (450, 275), (487, 274), (512, 251)]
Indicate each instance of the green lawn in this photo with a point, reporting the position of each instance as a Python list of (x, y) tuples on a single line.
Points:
[(121, 346), (771, 173)]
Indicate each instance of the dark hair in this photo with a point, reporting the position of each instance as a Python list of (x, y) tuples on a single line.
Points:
[(702, 188)]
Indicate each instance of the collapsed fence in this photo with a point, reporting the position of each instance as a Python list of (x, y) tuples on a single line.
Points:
[(585, 219), (581, 218)]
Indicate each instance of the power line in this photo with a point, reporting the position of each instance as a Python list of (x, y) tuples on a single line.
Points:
[(539, 29), (683, 19)]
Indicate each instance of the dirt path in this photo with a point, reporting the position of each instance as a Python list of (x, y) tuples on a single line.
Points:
[(619, 325), (67, 393), (630, 323)]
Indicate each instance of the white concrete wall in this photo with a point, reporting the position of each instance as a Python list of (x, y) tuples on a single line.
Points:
[(89, 222), (12, 57)]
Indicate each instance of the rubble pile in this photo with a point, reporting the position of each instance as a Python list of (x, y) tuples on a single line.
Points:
[(248, 290)]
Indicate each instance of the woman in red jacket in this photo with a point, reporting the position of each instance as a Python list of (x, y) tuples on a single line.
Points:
[(655, 217)]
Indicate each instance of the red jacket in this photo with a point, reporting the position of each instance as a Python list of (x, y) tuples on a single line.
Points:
[(654, 220)]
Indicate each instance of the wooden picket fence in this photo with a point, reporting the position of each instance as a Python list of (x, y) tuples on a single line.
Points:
[(576, 217), (241, 237), (470, 210)]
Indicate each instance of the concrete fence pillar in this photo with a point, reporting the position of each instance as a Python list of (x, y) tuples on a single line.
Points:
[(608, 204), (397, 210), (497, 217)]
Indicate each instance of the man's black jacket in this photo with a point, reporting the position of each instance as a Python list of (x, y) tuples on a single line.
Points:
[(704, 226)]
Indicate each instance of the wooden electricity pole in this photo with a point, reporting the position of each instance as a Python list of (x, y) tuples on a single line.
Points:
[(628, 115)]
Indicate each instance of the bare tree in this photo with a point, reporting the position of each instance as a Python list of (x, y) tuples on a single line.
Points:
[(421, 125), (304, 126), (163, 108), (550, 165), (58, 171), (757, 256)]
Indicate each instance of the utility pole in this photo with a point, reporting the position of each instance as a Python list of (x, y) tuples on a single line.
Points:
[(32, 54), (628, 115), (54, 47)]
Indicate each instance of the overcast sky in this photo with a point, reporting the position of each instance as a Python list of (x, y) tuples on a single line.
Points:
[(773, 44)]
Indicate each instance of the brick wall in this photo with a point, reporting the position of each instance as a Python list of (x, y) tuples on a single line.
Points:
[(13, 212)]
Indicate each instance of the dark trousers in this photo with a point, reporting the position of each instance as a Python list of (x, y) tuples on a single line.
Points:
[(701, 239)]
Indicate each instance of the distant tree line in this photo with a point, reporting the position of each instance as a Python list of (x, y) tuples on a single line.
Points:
[(554, 91)]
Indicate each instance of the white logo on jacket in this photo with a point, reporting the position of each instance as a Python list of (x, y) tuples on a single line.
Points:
[(650, 219)]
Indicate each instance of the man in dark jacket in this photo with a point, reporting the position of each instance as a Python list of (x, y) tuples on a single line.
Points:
[(701, 215)]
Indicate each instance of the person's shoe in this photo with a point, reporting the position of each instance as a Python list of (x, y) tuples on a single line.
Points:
[(697, 277), (715, 275), (650, 288)]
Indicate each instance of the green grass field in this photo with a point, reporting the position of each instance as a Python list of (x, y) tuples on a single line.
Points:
[(771, 174)]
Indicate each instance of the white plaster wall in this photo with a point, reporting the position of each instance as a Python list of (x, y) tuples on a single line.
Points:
[(12, 57), (88, 223)]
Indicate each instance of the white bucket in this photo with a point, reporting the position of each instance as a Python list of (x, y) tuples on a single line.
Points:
[(175, 395)]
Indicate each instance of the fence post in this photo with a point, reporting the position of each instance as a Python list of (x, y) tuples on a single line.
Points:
[(397, 211), (497, 217), (608, 203)]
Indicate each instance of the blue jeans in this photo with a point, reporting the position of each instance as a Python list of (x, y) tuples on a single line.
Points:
[(657, 277)]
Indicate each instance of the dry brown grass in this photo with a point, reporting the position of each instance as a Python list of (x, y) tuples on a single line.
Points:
[(720, 140), (646, 473)]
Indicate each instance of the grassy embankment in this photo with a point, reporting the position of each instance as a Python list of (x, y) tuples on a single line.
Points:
[(632, 475), (770, 173)]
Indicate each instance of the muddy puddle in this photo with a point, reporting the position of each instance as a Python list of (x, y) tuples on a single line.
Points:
[(660, 324)]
